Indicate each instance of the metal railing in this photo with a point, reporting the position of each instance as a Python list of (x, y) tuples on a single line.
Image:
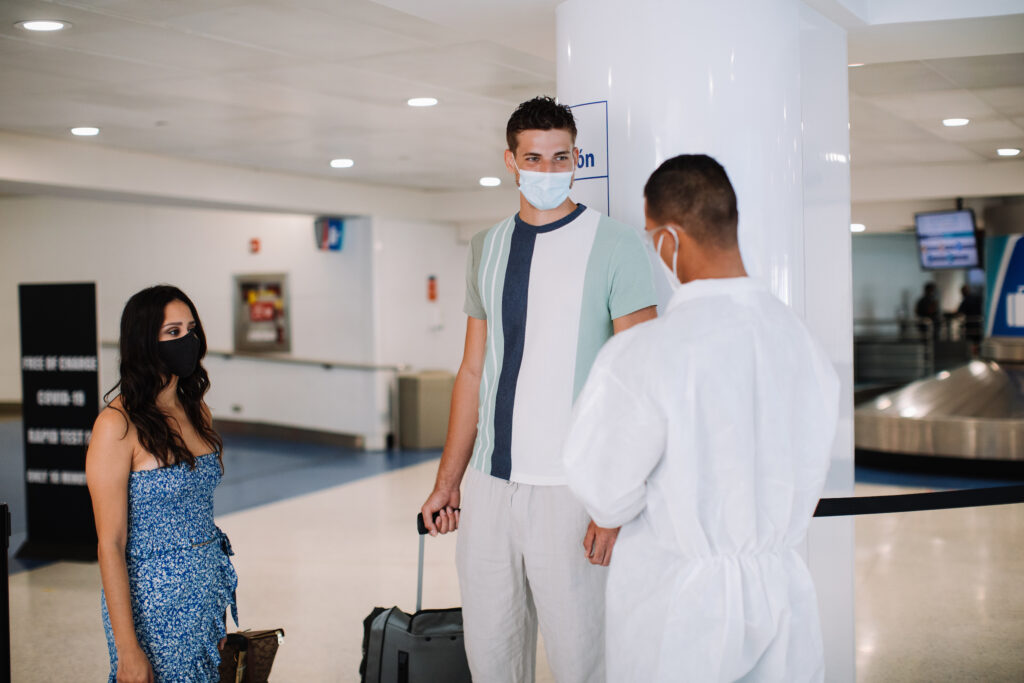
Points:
[(893, 350), (947, 328), (905, 349)]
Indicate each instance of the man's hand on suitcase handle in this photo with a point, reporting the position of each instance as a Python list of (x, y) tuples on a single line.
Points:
[(422, 528), (440, 513)]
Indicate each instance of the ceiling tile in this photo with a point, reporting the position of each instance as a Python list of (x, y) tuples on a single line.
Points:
[(896, 77), (987, 149), (77, 65), (906, 153), (142, 10), (21, 83), (1006, 101), (993, 71), (351, 82), (146, 43), (463, 66), (994, 129), (933, 105), (869, 123), (293, 30)]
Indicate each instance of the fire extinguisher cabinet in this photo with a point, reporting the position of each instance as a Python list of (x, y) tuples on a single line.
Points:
[(424, 400)]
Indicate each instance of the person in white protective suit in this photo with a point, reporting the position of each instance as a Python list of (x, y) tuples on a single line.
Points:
[(706, 435)]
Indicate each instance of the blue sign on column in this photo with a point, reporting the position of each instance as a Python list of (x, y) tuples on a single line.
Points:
[(1004, 269), (590, 184)]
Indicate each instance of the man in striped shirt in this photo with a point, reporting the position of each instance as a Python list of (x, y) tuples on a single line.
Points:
[(545, 289)]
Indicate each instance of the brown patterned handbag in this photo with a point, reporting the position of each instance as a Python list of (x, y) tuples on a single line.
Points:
[(248, 655)]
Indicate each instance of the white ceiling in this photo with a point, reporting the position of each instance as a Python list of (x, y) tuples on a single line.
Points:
[(287, 85), (896, 110), (282, 85)]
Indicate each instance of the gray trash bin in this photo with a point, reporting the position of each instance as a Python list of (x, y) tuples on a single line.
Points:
[(424, 399)]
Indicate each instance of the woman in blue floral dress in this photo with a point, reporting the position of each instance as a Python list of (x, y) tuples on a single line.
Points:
[(152, 466)]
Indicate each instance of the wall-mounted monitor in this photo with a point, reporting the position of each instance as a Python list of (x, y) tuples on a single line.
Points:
[(947, 239)]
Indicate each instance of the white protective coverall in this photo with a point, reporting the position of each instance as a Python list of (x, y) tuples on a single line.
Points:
[(706, 435)]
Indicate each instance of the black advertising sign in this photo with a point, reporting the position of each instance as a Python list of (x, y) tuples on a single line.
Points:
[(60, 401)]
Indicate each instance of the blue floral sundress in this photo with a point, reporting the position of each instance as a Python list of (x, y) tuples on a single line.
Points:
[(179, 573)]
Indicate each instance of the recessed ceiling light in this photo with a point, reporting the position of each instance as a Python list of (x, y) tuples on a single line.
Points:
[(490, 181), (953, 123), (43, 25), (1008, 152), (422, 102), (85, 131), (857, 227), (855, 64), (342, 163)]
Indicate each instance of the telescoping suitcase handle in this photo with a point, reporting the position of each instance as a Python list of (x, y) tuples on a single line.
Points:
[(422, 529)]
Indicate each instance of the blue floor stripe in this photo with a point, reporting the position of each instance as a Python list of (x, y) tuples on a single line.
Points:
[(260, 471)]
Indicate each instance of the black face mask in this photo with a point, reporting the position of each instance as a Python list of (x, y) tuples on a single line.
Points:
[(180, 355)]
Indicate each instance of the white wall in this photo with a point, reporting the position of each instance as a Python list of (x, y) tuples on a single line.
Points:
[(125, 247), (411, 329), (887, 277), (337, 314)]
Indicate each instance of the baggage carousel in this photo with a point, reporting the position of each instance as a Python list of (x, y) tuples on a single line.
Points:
[(975, 411)]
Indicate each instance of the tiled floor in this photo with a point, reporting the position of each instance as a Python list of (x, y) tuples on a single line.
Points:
[(938, 595)]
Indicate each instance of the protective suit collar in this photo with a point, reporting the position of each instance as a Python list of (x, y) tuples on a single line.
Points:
[(697, 289)]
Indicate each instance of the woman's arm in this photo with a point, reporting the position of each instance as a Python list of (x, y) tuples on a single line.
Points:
[(108, 465)]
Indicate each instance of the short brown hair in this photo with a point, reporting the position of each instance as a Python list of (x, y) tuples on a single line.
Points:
[(694, 190), (540, 113)]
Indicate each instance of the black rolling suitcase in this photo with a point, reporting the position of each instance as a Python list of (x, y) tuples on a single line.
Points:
[(424, 647)]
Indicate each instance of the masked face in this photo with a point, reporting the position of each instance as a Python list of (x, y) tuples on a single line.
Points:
[(178, 345), (544, 191), (544, 163)]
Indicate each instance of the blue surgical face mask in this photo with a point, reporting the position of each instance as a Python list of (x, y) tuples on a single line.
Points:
[(544, 191)]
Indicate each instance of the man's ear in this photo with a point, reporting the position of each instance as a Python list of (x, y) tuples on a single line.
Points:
[(510, 158)]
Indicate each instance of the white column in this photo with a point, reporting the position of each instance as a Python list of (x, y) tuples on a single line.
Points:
[(762, 87), (828, 311)]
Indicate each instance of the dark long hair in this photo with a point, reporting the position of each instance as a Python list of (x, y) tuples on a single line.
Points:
[(144, 375)]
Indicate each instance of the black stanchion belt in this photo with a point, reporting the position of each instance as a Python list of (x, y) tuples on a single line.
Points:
[(910, 502)]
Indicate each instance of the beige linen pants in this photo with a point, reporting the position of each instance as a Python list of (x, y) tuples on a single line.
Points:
[(520, 561)]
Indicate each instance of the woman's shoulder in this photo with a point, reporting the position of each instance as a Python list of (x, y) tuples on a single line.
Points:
[(112, 422), (112, 443)]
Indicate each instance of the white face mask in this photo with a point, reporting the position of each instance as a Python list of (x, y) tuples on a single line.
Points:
[(544, 191), (670, 274)]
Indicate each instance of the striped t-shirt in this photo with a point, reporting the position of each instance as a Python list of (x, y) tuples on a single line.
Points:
[(549, 294)]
